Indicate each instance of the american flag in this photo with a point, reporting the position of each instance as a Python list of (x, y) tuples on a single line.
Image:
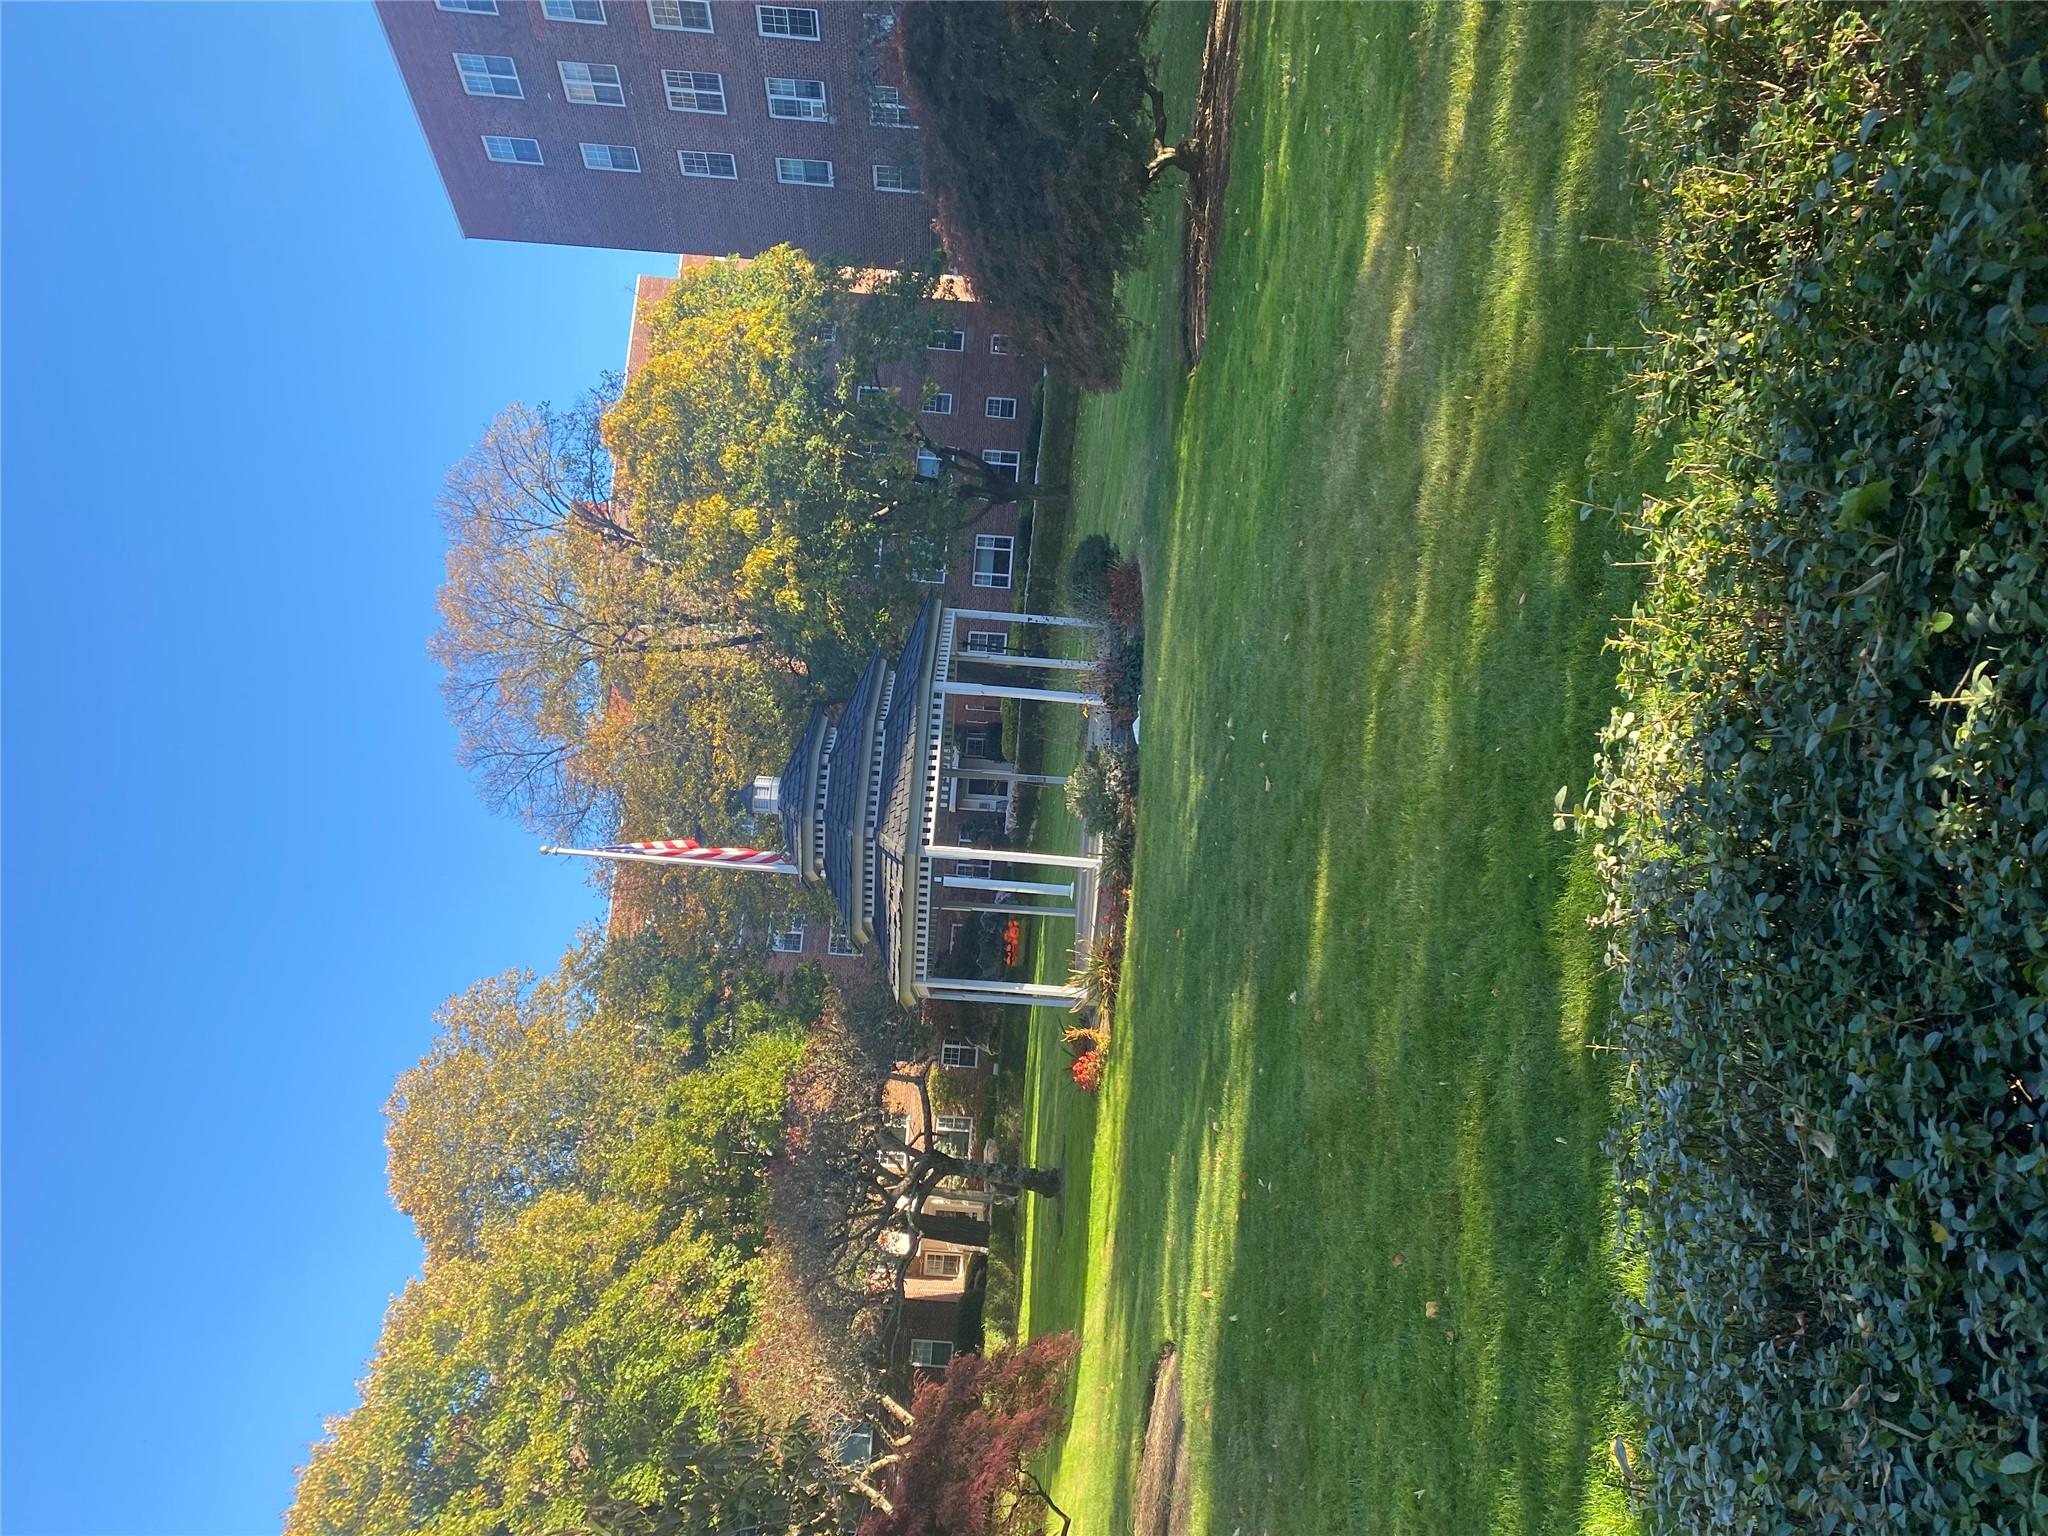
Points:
[(687, 850)]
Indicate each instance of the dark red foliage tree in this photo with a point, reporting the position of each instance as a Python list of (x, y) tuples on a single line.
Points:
[(963, 1471), (1043, 130)]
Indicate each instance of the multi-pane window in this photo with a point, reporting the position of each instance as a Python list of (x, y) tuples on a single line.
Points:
[(956, 1134), (1002, 407), (507, 151), (488, 74), (789, 939), (787, 21), (803, 100), (473, 7), (610, 157), (940, 404), (705, 162), (960, 1053), (931, 575), (987, 642), (680, 15), (886, 108), (942, 1266), (592, 85), (992, 554), (1002, 458), (973, 869), (948, 341), (839, 943), (898, 178), (999, 344), (692, 90), (927, 464), (867, 391), (804, 173), (932, 1354), (591, 11)]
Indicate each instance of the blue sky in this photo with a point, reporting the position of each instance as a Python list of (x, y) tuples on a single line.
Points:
[(242, 343)]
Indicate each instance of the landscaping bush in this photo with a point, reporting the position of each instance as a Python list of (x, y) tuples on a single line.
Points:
[(1124, 595), (1088, 572), (1100, 786), (1824, 812)]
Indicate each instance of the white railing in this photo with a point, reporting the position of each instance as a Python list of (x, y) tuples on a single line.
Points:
[(933, 758)]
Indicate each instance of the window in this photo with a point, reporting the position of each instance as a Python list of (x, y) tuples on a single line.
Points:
[(948, 341), (610, 157), (680, 15), (886, 109), (927, 464), (940, 404), (787, 21), (512, 151), (488, 74), (973, 869), (942, 1266), (999, 345), (931, 576), (963, 1054), (956, 1134), (932, 1354), (592, 85), (1002, 407), (474, 7), (691, 90), (591, 11), (804, 173), (790, 940), (863, 391), (987, 642), (992, 553), (704, 162), (981, 741), (898, 178), (898, 1122), (802, 100), (838, 943), (1002, 458)]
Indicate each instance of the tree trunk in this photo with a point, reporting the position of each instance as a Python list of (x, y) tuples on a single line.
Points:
[(954, 1227), (1017, 1177)]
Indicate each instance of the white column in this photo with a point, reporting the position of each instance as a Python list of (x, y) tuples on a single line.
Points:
[(1002, 616), (1017, 659), (1004, 991), (1000, 691), (1005, 909), (1015, 887), (1003, 774), (1013, 856)]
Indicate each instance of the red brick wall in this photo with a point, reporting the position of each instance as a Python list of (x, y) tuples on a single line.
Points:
[(659, 209)]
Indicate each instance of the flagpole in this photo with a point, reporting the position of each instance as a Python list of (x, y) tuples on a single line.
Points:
[(682, 861)]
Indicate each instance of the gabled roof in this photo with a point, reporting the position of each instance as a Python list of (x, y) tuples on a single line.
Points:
[(846, 777), (902, 736), (793, 794)]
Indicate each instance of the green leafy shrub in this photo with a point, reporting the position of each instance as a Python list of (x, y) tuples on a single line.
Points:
[(1088, 572), (1824, 813), (1100, 787)]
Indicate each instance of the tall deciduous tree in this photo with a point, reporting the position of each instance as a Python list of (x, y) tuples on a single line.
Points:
[(1043, 130)]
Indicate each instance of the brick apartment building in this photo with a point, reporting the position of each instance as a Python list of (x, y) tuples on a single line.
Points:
[(982, 404), (701, 126)]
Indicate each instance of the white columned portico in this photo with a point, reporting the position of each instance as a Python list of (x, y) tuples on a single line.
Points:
[(1004, 691), (1014, 887), (1013, 616), (1006, 991), (1013, 856), (1019, 659), (1004, 775)]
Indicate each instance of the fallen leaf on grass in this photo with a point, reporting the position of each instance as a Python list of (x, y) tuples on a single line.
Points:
[(1429, 1309)]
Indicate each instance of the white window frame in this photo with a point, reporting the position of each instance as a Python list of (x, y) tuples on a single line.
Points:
[(925, 1353), (988, 642), (974, 869), (840, 942), (909, 180), (1009, 402), (950, 1050), (932, 578), (956, 342), (940, 404), (999, 345), (928, 464), (468, 7), (610, 153), (513, 159), (689, 91), (680, 24), (591, 84), (887, 110), (518, 91), (709, 173), (803, 177), (792, 928), (993, 544), (955, 1125), (549, 9), (795, 101), (1004, 458), (789, 13), (942, 1266)]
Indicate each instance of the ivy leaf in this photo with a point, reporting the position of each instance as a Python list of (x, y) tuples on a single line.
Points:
[(1859, 504), (1939, 621)]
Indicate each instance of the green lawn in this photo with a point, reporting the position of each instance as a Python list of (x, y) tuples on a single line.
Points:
[(1348, 1155)]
